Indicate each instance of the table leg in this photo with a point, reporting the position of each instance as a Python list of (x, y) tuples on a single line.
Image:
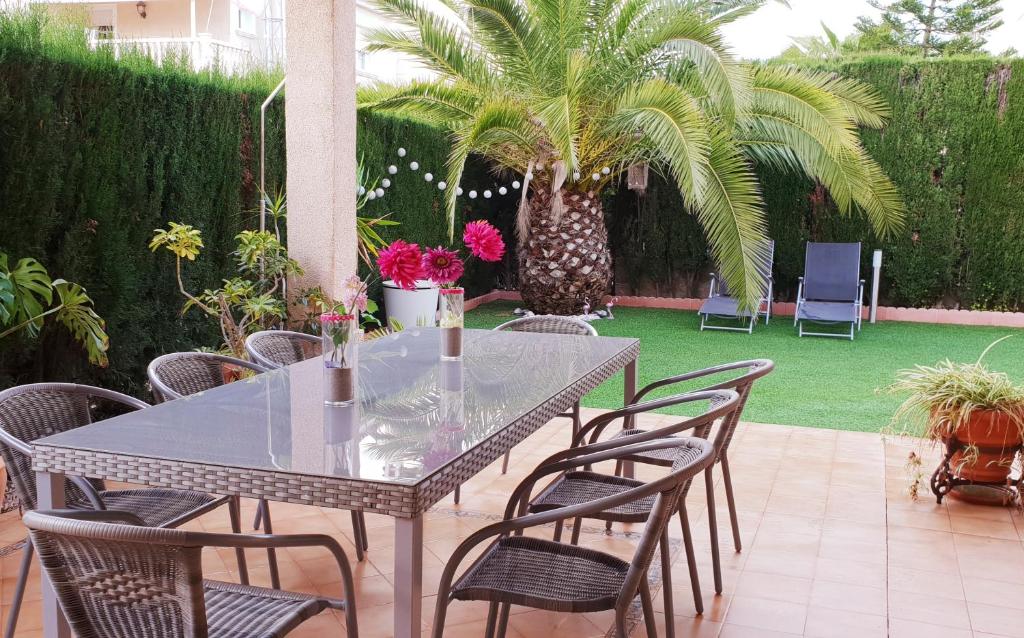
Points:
[(628, 392), (408, 576), (50, 495)]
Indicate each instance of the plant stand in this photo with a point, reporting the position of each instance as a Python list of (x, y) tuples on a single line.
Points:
[(945, 480)]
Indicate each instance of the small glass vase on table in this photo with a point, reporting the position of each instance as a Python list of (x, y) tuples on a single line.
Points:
[(453, 312), (340, 339)]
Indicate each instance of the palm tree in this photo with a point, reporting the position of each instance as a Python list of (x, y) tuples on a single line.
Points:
[(572, 93)]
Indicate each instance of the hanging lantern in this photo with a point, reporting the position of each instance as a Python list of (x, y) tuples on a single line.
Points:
[(636, 178)]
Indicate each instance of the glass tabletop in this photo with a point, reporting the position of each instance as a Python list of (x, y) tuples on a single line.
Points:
[(414, 413)]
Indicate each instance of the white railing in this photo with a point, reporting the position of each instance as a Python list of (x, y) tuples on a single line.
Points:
[(203, 52)]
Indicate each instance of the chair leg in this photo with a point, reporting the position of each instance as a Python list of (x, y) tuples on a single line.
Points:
[(716, 560), (362, 530), (440, 612), (577, 421), (492, 621), (620, 624), (268, 528), (731, 498), (258, 520), (458, 494), (618, 472), (19, 589), (235, 512), (503, 619), (558, 531), (648, 606), (357, 535), (691, 560), (576, 525), (666, 585), (504, 463)]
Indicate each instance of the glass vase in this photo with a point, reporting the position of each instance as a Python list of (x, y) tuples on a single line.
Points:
[(340, 341), (453, 312)]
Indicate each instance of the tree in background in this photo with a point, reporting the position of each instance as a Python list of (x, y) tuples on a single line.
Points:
[(930, 27), (573, 94)]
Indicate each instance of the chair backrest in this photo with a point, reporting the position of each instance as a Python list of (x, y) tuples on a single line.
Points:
[(765, 264), (691, 455), (551, 324), (37, 410), (280, 348), (180, 374), (831, 272), (752, 370), (122, 581)]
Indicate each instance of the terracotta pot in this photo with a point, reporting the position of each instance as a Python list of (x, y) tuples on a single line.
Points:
[(997, 437)]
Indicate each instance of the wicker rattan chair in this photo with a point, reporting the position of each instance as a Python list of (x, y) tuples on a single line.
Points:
[(114, 579), (30, 412), (576, 487), (550, 324), (521, 570), (280, 348), (277, 349), (180, 374)]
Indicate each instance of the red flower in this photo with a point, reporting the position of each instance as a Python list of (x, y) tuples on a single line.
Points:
[(484, 241), (402, 263), (442, 266)]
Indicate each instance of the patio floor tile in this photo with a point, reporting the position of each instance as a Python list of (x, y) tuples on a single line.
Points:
[(832, 547)]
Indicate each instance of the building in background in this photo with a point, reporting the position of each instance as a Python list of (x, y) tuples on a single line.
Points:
[(233, 35), (385, 66)]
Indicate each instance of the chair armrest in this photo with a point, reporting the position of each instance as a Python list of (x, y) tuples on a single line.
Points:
[(97, 516), (277, 541), (689, 376)]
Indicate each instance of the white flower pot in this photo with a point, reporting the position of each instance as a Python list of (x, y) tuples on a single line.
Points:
[(411, 308)]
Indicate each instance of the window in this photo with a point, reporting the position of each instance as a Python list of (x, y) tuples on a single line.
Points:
[(246, 21), (102, 23)]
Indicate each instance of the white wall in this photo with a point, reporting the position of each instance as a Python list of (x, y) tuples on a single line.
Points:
[(385, 66)]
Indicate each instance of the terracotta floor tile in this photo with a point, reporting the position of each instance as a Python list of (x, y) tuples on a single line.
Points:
[(772, 615), (831, 623), (846, 597), (993, 592), (1002, 621), (928, 608), (853, 572), (913, 629), (984, 527), (917, 581), (774, 587)]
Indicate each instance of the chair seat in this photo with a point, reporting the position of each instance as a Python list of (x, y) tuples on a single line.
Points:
[(242, 611), (722, 306), (828, 311), (663, 458), (575, 488), (545, 575), (156, 507)]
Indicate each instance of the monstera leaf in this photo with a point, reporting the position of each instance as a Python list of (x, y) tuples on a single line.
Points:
[(30, 291), (77, 315)]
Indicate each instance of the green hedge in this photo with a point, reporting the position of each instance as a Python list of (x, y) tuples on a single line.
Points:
[(954, 147), (95, 154)]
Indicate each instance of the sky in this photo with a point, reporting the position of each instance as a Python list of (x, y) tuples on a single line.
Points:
[(768, 32)]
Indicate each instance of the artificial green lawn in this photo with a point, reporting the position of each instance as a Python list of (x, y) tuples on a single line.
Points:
[(818, 382)]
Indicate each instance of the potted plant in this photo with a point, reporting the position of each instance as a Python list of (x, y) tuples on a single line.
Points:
[(975, 412)]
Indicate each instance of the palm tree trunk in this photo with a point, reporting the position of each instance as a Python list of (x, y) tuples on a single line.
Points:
[(565, 262)]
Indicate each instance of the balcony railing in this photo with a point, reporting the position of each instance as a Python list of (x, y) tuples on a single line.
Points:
[(202, 52)]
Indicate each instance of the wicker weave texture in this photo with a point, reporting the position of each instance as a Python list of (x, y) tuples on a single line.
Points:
[(280, 348), (550, 324)]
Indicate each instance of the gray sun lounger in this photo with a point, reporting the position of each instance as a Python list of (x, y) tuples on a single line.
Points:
[(720, 304), (831, 291)]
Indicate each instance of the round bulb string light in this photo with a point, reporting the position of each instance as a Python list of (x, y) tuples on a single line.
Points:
[(503, 189)]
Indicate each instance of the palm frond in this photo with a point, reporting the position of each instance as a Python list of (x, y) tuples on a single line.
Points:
[(436, 102), (508, 33), (731, 212)]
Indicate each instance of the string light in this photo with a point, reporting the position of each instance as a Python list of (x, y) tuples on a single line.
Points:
[(502, 190)]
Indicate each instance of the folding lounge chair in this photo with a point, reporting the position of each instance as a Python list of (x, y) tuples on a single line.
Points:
[(831, 290), (721, 305)]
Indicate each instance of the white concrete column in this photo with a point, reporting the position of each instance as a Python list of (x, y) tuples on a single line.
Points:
[(321, 132)]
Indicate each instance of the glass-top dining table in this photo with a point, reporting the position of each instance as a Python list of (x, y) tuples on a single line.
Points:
[(420, 427)]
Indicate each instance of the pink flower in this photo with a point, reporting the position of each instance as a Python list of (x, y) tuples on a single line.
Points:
[(353, 294), (402, 263), (484, 241), (442, 266)]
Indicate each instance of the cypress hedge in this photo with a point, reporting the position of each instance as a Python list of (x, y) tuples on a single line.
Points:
[(955, 149), (95, 153)]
